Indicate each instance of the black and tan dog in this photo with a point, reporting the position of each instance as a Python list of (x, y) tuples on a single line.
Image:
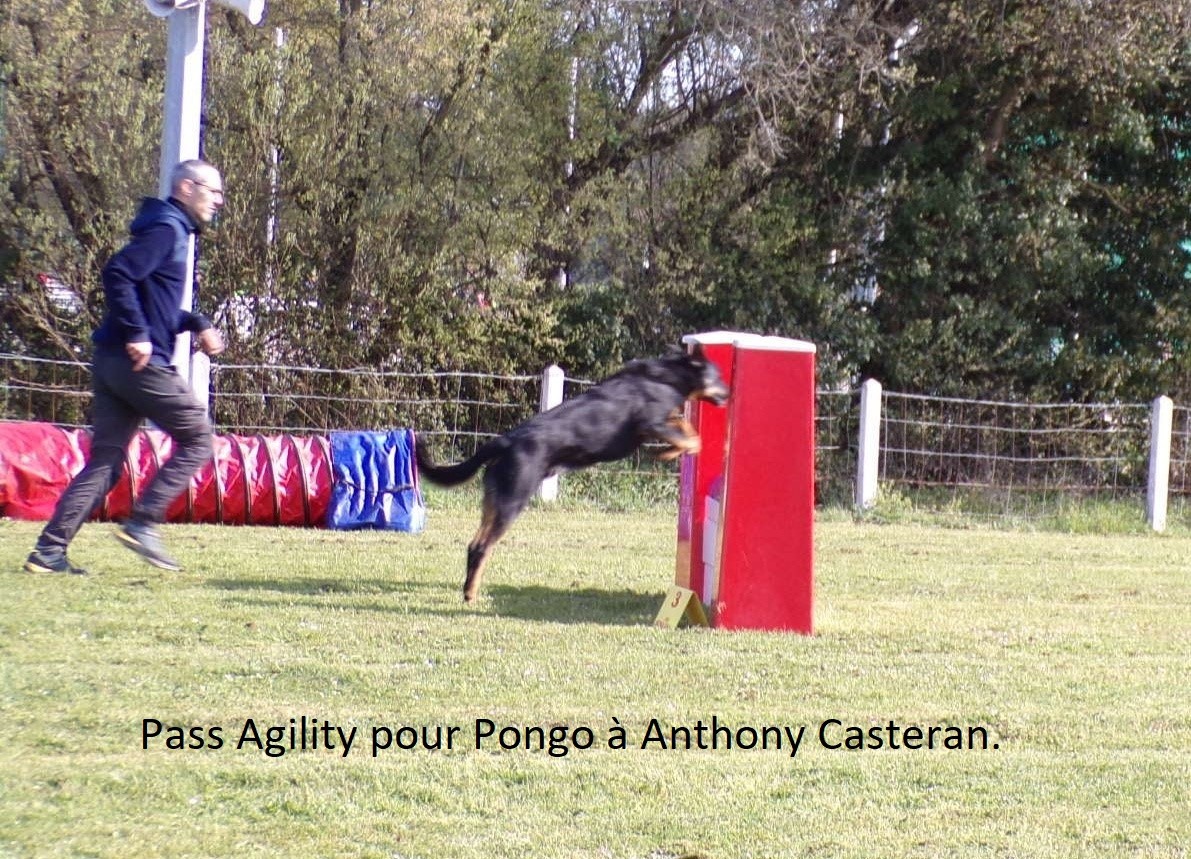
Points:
[(643, 402)]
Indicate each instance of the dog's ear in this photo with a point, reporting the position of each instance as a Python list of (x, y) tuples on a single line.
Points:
[(695, 356)]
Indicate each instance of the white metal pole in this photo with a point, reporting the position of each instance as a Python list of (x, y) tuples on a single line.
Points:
[(180, 134), (553, 382), (1158, 485), (274, 171)]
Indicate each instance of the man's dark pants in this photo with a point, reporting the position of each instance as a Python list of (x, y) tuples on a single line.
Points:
[(122, 398)]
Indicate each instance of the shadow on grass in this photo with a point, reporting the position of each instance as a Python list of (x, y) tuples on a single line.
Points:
[(322, 586), (574, 605), (530, 603)]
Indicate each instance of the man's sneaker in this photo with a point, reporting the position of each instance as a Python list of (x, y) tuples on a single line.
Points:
[(143, 539), (50, 562)]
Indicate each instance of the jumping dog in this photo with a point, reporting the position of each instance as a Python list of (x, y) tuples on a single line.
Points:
[(642, 402)]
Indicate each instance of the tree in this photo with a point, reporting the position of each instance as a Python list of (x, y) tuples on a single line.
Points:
[(952, 197), (1037, 190), (73, 140)]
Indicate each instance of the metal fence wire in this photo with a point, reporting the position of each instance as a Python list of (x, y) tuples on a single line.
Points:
[(1019, 459), (974, 456)]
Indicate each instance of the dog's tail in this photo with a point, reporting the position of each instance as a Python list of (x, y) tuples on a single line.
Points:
[(453, 475)]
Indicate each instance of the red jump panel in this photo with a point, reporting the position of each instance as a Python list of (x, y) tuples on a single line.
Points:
[(746, 511)]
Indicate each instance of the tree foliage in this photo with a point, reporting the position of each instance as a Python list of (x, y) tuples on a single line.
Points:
[(1039, 178), (957, 197)]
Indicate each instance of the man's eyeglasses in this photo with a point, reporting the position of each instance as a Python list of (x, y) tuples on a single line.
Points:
[(217, 191)]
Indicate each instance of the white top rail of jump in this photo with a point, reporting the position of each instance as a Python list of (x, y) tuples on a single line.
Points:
[(745, 340)]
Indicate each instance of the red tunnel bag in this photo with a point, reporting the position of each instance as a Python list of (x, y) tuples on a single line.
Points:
[(250, 480)]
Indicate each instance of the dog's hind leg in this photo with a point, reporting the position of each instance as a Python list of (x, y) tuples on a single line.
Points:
[(509, 484), (493, 525)]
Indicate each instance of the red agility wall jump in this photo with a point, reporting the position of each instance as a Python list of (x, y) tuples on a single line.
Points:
[(746, 501)]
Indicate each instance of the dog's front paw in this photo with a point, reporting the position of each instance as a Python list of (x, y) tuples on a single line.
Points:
[(690, 444)]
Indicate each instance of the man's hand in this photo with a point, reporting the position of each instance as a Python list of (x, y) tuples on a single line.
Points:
[(140, 354), (210, 341)]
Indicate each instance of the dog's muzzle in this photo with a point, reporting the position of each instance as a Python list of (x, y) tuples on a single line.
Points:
[(716, 394)]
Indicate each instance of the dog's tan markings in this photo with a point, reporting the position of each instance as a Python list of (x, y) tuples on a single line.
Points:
[(687, 442), (490, 531)]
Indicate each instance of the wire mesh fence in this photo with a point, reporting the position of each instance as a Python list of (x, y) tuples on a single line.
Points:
[(969, 458), (837, 421), (57, 392), (460, 409), (1012, 460), (1180, 464)]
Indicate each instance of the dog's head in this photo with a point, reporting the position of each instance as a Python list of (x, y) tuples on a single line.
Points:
[(711, 385)]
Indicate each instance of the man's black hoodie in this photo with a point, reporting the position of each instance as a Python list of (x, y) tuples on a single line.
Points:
[(143, 284)]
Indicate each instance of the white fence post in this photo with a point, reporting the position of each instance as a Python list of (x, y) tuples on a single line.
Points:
[(869, 454), (553, 381), (200, 379), (1158, 485)]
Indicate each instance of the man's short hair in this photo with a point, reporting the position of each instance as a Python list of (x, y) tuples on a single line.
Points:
[(192, 169)]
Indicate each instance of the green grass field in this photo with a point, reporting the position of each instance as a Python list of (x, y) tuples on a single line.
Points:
[(1072, 653)]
